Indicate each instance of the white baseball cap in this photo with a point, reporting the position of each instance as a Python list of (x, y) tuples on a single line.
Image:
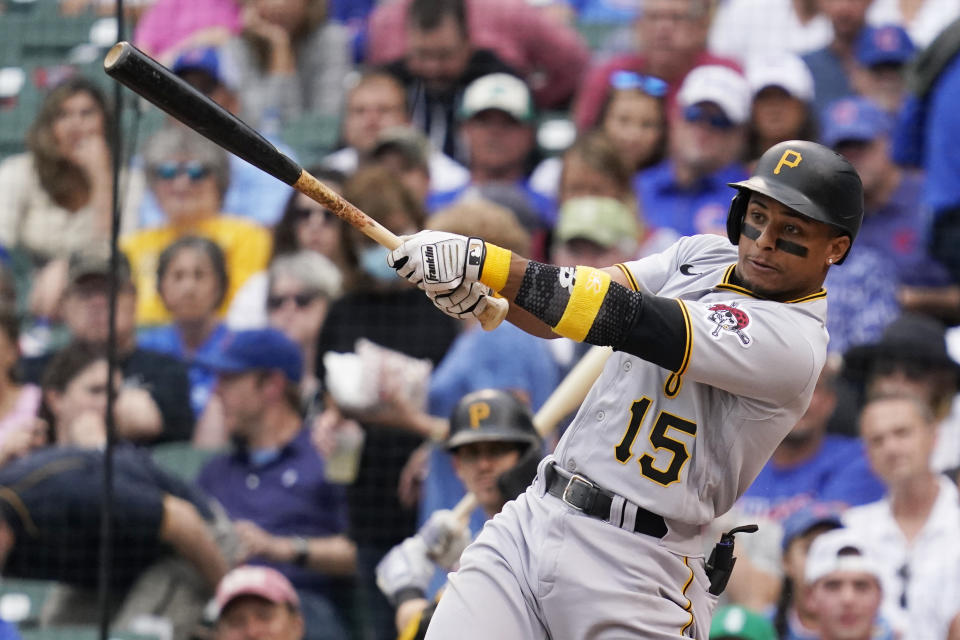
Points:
[(500, 91), (721, 85), (785, 70), (841, 550)]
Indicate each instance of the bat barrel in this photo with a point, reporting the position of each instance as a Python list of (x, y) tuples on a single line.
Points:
[(148, 78)]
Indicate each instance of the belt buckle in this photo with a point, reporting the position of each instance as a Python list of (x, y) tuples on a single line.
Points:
[(576, 479)]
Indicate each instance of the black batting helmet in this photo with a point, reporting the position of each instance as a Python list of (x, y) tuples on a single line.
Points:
[(491, 415), (813, 180)]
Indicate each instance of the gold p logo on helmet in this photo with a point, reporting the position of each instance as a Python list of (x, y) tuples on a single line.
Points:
[(478, 411), (790, 158)]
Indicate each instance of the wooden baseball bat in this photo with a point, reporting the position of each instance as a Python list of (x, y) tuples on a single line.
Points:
[(148, 78), (565, 398)]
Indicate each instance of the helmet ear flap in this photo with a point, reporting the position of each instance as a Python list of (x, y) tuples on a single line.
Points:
[(738, 208)]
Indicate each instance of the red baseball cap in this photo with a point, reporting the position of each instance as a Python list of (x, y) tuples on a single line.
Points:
[(263, 582)]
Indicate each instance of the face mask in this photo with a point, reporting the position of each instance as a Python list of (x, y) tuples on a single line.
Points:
[(373, 261)]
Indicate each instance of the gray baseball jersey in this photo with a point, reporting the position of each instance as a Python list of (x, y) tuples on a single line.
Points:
[(683, 444)]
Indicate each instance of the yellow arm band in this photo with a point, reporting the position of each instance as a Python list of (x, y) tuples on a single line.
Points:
[(496, 266), (589, 290)]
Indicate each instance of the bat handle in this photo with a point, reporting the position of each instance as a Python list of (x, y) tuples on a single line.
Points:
[(465, 507)]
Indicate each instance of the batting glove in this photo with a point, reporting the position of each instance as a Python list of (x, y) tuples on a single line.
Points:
[(466, 301), (436, 261), (406, 567), (445, 537)]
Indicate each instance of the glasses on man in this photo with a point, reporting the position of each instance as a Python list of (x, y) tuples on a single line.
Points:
[(650, 85), (305, 213), (911, 368), (195, 171), (301, 300), (713, 118)]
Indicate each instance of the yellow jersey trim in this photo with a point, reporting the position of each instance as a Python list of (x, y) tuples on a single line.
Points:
[(729, 286), (628, 276), (589, 289), (689, 606), (675, 380)]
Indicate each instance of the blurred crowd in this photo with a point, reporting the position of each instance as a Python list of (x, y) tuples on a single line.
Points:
[(283, 400)]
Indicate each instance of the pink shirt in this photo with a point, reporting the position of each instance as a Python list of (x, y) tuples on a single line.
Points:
[(596, 86), (169, 22), (552, 56), (26, 408)]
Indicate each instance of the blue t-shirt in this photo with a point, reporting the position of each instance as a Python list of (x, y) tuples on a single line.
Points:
[(286, 496), (166, 339), (861, 298), (8, 631), (540, 205), (699, 208), (837, 473), (940, 135), (830, 80)]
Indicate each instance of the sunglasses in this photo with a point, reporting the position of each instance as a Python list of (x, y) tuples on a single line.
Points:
[(716, 119), (302, 300), (305, 213), (650, 85), (170, 170)]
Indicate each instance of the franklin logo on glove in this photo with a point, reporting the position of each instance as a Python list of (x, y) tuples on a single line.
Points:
[(430, 260)]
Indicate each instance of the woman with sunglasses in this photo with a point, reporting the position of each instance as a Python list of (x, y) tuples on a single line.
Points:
[(56, 197), (189, 176)]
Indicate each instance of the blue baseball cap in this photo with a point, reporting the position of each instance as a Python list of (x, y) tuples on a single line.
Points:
[(853, 120), (887, 44), (257, 350), (807, 517), (207, 60)]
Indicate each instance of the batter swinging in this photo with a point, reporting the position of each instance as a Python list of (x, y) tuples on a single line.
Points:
[(717, 351)]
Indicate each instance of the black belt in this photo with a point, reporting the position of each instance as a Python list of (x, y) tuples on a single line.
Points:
[(583, 495)]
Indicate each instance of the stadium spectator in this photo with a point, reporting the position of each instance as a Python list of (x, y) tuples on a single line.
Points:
[(911, 357), (169, 27), (633, 118), (252, 193), (394, 315), (919, 513), (895, 223), (189, 176), (289, 59), (272, 485), (57, 196), (811, 465), (923, 20), (374, 105), (593, 166), (846, 588), (438, 61), (257, 602), (832, 65), (551, 56), (497, 124), (405, 152), (687, 193), (595, 231), (793, 615), (754, 29), (192, 280), (301, 288), (18, 401), (672, 36), (782, 103), (153, 403), (880, 74)]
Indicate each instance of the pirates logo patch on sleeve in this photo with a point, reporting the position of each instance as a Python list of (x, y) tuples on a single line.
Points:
[(727, 317)]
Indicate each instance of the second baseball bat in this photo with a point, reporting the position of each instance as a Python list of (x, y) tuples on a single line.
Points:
[(148, 78)]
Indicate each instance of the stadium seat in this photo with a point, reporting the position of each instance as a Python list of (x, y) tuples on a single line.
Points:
[(182, 459), (312, 136), (21, 600)]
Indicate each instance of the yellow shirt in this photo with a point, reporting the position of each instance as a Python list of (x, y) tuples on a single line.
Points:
[(245, 245)]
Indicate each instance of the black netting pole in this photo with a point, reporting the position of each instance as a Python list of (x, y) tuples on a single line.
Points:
[(106, 505)]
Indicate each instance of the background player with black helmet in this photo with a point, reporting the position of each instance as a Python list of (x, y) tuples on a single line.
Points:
[(606, 543), (495, 451)]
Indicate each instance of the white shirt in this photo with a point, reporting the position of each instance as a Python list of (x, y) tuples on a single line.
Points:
[(933, 561), (929, 21), (446, 174), (744, 29)]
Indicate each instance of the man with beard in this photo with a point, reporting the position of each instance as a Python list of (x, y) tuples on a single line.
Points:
[(439, 62), (811, 465), (287, 515)]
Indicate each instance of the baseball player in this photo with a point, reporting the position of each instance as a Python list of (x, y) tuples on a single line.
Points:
[(717, 351), (495, 451)]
